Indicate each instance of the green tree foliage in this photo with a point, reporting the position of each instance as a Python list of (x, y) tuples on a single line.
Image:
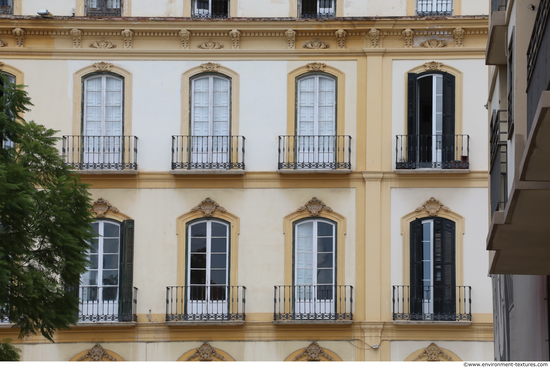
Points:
[(45, 223), (8, 352)]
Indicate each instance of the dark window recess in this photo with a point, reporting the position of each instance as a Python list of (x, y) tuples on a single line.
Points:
[(6, 7), (318, 9), (498, 5), (511, 85), (210, 8), (108, 8)]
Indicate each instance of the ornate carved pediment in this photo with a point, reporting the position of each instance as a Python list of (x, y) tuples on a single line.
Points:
[(101, 206), (206, 353), (313, 353), (315, 44), (290, 35), (97, 354), (433, 65), (103, 44), (316, 67), (210, 67), (433, 353), (432, 206), (315, 206), (103, 66), (208, 207), (433, 43), (210, 45)]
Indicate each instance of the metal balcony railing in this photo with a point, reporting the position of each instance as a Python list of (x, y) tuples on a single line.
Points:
[(107, 8), (434, 7), (208, 152), (205, 303), (210, 8), (93, 152), (498, 156), (313, 302), (6, 7), (498, 5), (331, 152), (318, 9), (441, 151), (107, 304), (535, 44), (432, 303)]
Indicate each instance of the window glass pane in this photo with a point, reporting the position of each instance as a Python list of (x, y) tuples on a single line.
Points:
[(198, 245), (219, 229), (324, 229), (89, 278), (198, 260), (110, 262), (93, 262), (198, 277), (197, 293), (325, 292), (324, 244), (218, 245), (198, 229), (110, 245), (324, 260), (217, 277), (95, 227), (93, 246), (110, 293), (324, 276), (218, 292), (304, 276), (218, 261), (110, 277), (304, 260), (111, 230)]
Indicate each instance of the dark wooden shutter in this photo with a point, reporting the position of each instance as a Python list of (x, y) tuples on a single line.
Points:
[(416, 270), (411, 140), (444, 269), (126, 282), (448, 119)]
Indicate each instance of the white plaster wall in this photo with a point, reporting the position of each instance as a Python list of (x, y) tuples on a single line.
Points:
[(356, 8), (465, 350), (263, 8), (471, 203), (157, 8), (386, 7), (56, 7), (475, 7), (474, 97)]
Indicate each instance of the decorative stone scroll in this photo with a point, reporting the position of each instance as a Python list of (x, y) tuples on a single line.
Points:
[(210, 67), (97, 354), (315, 44), (313, 353), (206, 353), (19, 34), (374, 35), (127, 34), (210, 45), (433, 43), (1, 65), (101, 206), (76, 34), (432, 206), (458, 34), (315, 206), (103, 44), (3, 43), (102, 66), (290, 35), (184, 36), (316, 67), (341, 38), (235, 38), (433, 65), (208, 207), (409, 35), (433, 353)]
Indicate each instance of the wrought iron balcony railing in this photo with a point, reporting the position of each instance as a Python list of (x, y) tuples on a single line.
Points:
[(221, 152), (93, 152), (210, 8), (107, 8), (499, 156), (6, 7), (107, 304), (434, 7), (313, 302), (429, 303), (441, 151), (328, 152), (205, 303), (318, 9)]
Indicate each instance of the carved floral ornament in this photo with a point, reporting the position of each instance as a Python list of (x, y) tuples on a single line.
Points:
[(315, 44), (374, 35), (206, 353), (210, 67), (210, 45), (184, 36), (458, 34), (433, 353), (433, 65), (101, 206), (316, 67), (76, 34), (315, 206), (97, 354), (103, 66), (313, 353), (103, 44), (208, 207), (433, 43), (432, 206), (290, 35)]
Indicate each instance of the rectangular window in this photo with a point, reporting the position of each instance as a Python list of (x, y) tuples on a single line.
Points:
[(210, 8), (6, 7), (434, 7), (317, 9), (109, 8)]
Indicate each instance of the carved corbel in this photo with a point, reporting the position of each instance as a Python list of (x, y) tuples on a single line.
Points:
[(409, 35), (128, 35), (76, 34), (208, 207), (19, 34), (101, 207), (290, 35), (185, 35), (374, 35), (341, 38), (235, 38), (458, 34), (432, 206), (315, 206)]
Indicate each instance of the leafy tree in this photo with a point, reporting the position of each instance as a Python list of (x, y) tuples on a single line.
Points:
[(8, 352), (45, 223)]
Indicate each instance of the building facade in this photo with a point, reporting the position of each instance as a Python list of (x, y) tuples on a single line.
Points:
[(517, 51), (272, 180)]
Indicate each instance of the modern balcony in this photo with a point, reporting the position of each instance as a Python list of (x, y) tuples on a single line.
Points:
[(314, 153), (210, 304), (210, 8), (106, 153), (495, 52), (431, 304), (499, 157), (193, 154), (103, 8), (434, 7), (107, 304), (438, 152), (313, 304)]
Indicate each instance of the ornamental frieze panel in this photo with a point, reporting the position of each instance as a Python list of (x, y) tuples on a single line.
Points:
[(210, 45), (103, 44), (433, 43), (315, 44)]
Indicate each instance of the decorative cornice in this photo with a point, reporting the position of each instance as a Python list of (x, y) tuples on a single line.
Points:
[(409, 35), (458, 34), (210, 45), (433, 65), (210, 67), (235, 38), (103, 44), (374, 35), (433, 43), (313, 353), (290, 35), (206, 353), (341, 38), (77, 38), (315, 44), (102, 66), (101, 207), (127, 34), (433, 353), (97, 354), (184, 36), (316, 67), (208, 207), (432, 206), (19, 34), (315, 206)]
